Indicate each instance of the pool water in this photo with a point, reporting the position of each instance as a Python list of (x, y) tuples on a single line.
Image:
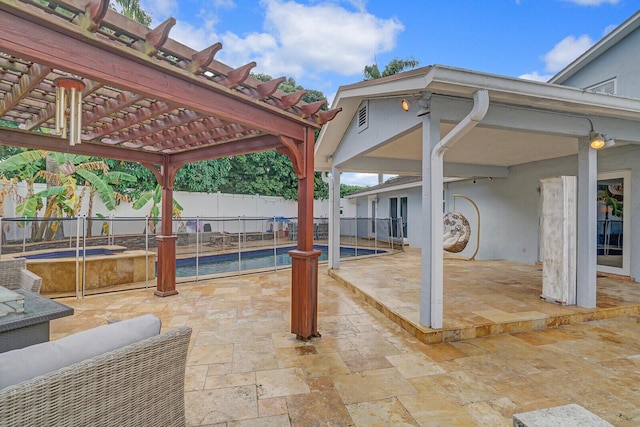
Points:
[(226, 263), (71, 253)]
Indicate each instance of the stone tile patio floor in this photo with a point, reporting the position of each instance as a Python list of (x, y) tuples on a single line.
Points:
[(245, 369)]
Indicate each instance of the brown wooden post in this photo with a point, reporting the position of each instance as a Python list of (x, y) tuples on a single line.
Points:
[(166, 280), (304, 272)]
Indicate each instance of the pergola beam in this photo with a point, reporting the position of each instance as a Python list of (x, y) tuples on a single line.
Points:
[(133, 71), (36, 141)]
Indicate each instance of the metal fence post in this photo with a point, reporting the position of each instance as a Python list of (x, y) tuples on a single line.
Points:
[(24, 235), (146, 250), (356, 250), (275, 247), (197, 247), (84, 254), (239, 252)]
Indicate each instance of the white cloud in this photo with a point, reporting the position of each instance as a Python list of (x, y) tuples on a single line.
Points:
[(196, 38), (535, 76), (608, 29), (322, 37), (592, 2), (362, 179), (566, 51), (297, 39), (160, 9)]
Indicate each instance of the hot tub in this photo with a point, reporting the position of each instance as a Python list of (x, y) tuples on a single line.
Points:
[(105, 266)]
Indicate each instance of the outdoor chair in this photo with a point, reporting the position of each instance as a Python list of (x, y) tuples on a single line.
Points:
[(120, 374), (14, 275)]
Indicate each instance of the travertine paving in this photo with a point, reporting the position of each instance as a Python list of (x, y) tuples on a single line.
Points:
[(246, 369), (481, 298)]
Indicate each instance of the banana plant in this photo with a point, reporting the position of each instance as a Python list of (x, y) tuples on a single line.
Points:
[(61, 197), (155, 197)]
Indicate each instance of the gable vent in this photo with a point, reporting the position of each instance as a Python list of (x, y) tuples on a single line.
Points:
[(363, 116), (608, 87)]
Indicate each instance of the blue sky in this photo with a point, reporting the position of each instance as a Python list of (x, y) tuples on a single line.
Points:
[(324, 44)]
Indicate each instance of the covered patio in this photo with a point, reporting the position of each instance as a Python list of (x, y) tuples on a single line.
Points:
[(494, 139), (481, 298)]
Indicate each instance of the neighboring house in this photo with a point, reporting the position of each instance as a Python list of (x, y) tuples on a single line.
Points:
[(493, 138)]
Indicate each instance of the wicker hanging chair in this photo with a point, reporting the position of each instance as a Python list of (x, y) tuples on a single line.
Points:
[(457, 232)]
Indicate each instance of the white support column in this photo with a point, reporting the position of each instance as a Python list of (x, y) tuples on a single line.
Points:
[(334, 220), (431, 282), (587, 224)]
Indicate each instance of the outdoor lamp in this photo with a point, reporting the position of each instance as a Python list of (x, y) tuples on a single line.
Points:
[(608, 141), (422, 100), (69, 105), (596, 140)]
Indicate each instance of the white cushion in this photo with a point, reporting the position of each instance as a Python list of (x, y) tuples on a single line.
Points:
[(23, 364)]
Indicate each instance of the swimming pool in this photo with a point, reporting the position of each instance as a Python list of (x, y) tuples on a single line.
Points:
[(252, 260)]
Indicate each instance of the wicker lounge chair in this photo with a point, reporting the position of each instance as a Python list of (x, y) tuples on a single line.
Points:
[(140, 384), (14, 275)]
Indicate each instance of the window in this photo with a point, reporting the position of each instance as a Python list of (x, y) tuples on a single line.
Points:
[(363, 116), (608, 87)]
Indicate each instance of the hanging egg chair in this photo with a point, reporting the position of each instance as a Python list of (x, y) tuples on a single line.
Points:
[(457, 230)]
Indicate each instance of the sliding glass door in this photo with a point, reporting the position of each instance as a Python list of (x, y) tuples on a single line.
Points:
[(613, 222)]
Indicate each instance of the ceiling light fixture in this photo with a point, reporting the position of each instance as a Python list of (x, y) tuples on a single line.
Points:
[(69, 108), (596, 140), (608, 141), (423, 100)]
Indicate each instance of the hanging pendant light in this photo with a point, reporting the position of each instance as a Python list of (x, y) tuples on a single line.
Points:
[(69, 108)]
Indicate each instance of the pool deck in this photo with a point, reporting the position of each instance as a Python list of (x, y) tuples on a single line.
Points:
[(245, 368), (481, 298)]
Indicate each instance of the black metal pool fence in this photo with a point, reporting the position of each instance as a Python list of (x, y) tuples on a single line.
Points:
[(196, 236)]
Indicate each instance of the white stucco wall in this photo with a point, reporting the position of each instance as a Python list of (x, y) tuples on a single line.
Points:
[(510, 207), (620, 61), (204, 205)]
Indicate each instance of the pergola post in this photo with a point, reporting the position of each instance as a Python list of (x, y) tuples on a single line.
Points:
[(166, 279), (304, 273)]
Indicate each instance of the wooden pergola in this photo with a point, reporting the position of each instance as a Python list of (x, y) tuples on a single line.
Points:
[(152, 100)]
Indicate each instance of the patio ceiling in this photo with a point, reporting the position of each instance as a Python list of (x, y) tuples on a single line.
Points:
[(147, 98)]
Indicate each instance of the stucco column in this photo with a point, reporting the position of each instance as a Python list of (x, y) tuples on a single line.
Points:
[(587, 224), (431, 281), (334, 220)]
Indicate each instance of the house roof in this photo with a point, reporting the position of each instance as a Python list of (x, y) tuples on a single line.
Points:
[(560, 113), (620, 32), (390, 184), (146, 97)]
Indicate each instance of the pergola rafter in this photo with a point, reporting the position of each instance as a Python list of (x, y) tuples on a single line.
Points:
[(152, 100)]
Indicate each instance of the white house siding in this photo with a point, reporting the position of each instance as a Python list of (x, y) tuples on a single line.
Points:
[(621, 61), (414, 205), (510, 207), (380, 129)]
